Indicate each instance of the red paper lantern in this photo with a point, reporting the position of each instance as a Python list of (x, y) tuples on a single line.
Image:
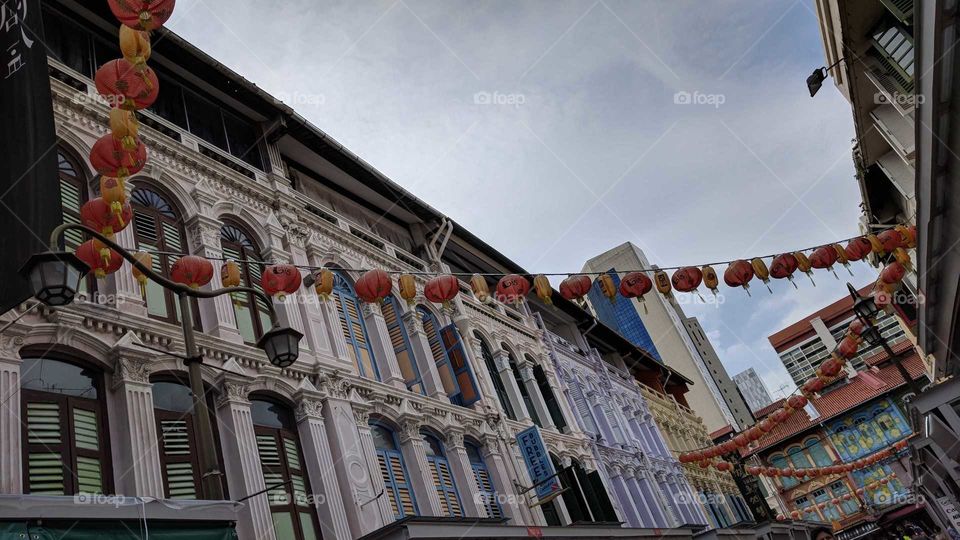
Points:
[(766, 425), (754, 433), (893, 273), (830, 367), (783, 266), (705, 463), (884, 481), (512, 288), (858, 248), (772, 472), (797, 402), (856, 327), (101, 259), (687, 279), (373, 286), (890, 239), (847, 496), (754, 470), (575, 287), (192, 271), (780, 415), (99, 216), (823, 258), (635, 285), (723, 466), (848, 346), (109, 157), (684, 458), (795, 515), (738, 274), (279, 280), (126, 86), (741, 440), (142, 14), (860, 491), (787, 472), (442, 289), (728, 446), (812, 386)]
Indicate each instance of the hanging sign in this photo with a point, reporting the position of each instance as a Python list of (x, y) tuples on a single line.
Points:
[(535, 455)]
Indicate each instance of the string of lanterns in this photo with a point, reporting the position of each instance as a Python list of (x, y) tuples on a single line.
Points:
[(836, 501), (888, 282)]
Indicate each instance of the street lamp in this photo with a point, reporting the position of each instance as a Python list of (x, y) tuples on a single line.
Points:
[(815, 79), (866, 309), (55, 275)]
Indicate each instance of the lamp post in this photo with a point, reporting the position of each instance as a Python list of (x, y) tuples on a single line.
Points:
[(55, 278), (866, 309)]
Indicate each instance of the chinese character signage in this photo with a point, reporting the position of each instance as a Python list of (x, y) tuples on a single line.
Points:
[(538, 461), (29, 187)]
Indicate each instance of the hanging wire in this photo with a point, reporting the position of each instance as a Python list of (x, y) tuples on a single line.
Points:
[(501, 274)]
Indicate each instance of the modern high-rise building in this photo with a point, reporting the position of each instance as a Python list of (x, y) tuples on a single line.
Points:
[(805, 344), (728, 389), (752, 389), (658, 325)]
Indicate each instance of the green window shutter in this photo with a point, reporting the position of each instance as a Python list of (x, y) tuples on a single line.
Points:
[(45, 473), (895, 52), (901, 9), (85, 429), (178, 458)]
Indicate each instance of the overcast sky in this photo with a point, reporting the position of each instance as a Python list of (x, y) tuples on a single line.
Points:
[(552, 129)]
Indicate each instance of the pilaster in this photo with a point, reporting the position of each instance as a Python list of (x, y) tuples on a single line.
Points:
[(320, 465), (422, 355), (642, 503), (124, 287), (241, 458), (631, 514), (533, 389), (136, 459), (463, 476), (418, 469), (216, 314), (11, 467), (502, 480), (502, 359), (379, 340)]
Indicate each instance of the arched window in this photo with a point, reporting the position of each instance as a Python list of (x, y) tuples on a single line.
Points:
[(451, 359), (252, 313), (65, 436), (829, 512), (798, 458), (527, 401), (178, 434), (354, 328), (74, 192), (294, 517), (485, 487), (817, 452), (553, 406), (780, 462), (442, 478), (839, 489), (157, 226), (495, 378), (394, 472), (401, 345)]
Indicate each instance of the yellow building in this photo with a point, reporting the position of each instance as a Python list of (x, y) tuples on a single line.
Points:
[(684, 431)]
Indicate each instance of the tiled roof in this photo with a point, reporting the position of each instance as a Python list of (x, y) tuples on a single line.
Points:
[(842, 307), (761, 413), (721, 432), (857, 391)]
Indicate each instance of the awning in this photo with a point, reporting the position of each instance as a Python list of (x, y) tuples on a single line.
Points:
[(115, 530)]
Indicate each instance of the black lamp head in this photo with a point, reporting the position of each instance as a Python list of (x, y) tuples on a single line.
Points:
[(54, 276), (815, 80), (282, 346)]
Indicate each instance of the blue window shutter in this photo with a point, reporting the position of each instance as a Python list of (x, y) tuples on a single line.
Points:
[(463, 373), (354, 329), (401, 345), (447, 377)]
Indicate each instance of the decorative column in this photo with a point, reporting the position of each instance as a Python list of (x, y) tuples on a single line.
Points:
[(346, 419), (502, 480), (216, 314), (630, 511), (650, 494), (11, 453), (533, 389), (502, 360), (423, 356), (241, 458), (320, 466), (383, 353), (463, 476), (136, 456), (418, 469), (639, 500), (316, 310)]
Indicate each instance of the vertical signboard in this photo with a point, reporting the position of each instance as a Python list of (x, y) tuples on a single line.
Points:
[(29, 187), (538, 462)]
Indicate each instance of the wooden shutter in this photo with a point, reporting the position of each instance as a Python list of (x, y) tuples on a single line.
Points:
[(396, 483), (485, 487), (178, 455), (45, 457), (466, 382), (281, 461), (447, 378), (401, 346), (446, 490), (355, 332), (583, 407)]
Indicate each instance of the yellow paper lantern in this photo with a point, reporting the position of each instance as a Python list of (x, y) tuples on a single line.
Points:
[(803, 264), (146, 259), (607, 287), (323, 283), (480, 288), (542, 286), (761, 271), (125, 128), (408, 288), (710, 278), (230, 274), (135, 45), (662, 282)]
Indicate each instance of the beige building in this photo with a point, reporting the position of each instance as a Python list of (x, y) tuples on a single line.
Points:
[(683, 431), (659, 323)]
